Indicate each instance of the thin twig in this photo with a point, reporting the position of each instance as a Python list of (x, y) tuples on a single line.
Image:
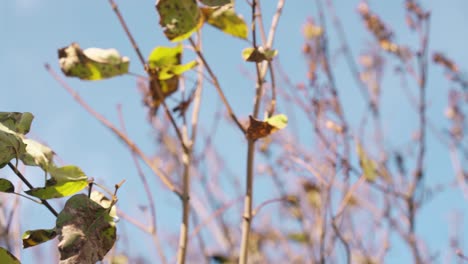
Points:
[(127, 31), (146, 67), (217, 86), (20, 175), (149, 194), (130, 144)]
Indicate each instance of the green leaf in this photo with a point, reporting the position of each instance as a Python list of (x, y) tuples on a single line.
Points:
[(86, 231), (258, 55), (165, 56), (278, 121), (58, 190), (179, 18), (179, 69), (7, 258), (37, 154), (298, 237), (215, 2), (165, 67), (226, 19), (35, 237), (369, 167), (17, 122), (67, 174), (92, 63), (6, 186), (165, 61), (11, 145)]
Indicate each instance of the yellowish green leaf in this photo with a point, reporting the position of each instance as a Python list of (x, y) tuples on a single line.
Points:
[(369, 166), (298, 237), (278, 121), (165, 68), (226, 19), (7, 258), (92, 63), (67, 174), (35, 237), (58, 190)]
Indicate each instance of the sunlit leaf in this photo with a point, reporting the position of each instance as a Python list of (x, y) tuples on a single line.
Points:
[(37, 154), (18, 122), (258, 55), (166, 61), (35, 237), (298, 237), (164, 69), (311, 31), (6, 186), (67, 174), (58, 190), (11, 145), (165, 56), (215, 2), (86, 231), (369, 167), (92, 63), (278, 121), (226, 19), (179, 18), (7, 258), (119, 259)]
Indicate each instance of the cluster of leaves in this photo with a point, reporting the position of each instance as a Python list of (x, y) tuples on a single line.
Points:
[(75, 220)]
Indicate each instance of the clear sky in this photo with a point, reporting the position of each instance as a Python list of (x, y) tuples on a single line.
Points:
[(33, 30)]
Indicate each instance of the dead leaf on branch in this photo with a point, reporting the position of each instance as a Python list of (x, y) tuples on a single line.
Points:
[(260, 129)]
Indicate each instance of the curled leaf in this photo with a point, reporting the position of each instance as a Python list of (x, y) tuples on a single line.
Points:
[(35, 237), (37, 154), (258, 55), (164, 69), (259, 129), (225, 19), (92, 63)]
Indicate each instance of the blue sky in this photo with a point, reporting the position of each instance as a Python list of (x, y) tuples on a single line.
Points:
[(33, 30)]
